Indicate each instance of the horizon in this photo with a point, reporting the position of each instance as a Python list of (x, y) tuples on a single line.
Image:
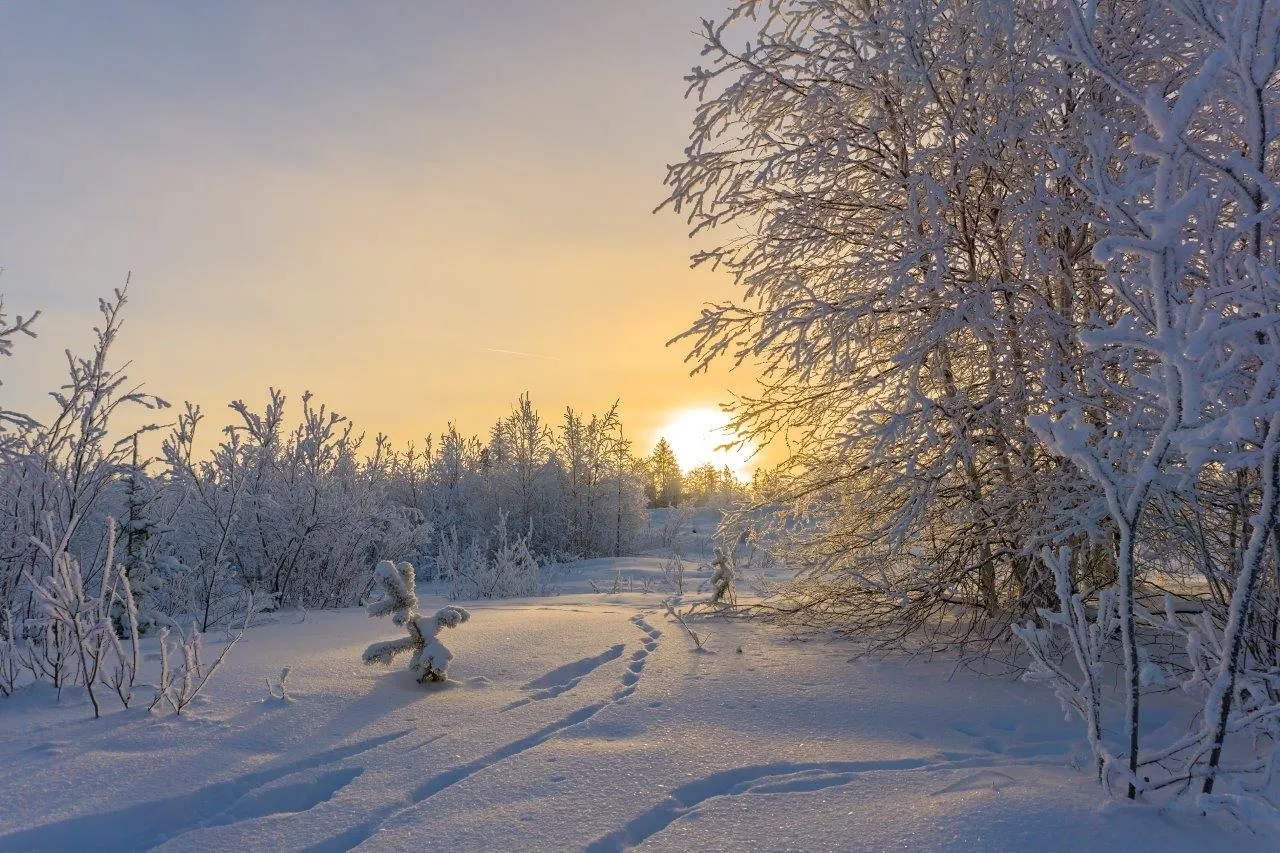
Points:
[(327, 198)]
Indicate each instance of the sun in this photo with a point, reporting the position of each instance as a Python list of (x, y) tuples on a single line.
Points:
[(694, 436)]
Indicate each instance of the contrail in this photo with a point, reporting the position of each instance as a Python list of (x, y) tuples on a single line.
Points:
[(523, 354)]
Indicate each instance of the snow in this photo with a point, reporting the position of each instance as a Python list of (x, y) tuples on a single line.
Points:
[(577, 721)]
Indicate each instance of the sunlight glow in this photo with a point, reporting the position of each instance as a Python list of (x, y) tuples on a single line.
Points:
[(695, 435)]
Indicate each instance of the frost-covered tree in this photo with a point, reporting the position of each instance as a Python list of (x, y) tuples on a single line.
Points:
[(209, 496), (1188, 360), (290, 507), (571, 492), (525, 466), (707, 485), (66, 470), (398, 599), (292, 515), (586, 447), (1010, 271), (314, 511), (912, 270)]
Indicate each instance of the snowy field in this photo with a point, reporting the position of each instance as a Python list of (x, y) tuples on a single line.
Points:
[(577, 721)]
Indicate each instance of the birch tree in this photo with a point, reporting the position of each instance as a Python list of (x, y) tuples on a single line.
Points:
[(878, 179), (1188, 361)]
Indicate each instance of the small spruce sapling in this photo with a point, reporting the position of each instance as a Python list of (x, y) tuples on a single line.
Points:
[(431, 657)]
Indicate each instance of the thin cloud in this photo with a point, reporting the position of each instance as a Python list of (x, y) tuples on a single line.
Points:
[(521, 354)]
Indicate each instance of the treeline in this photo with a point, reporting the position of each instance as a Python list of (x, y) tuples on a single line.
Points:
[(705, 485), (293, 509)]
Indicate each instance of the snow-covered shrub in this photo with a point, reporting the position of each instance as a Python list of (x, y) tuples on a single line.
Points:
[(122, 675), (144, 541), (76, 637), (60, 479), (48, 652), (450, 558), (1089, 638), (723, 575), (201, 582), (511, 569), (294, 516), (80, 623), (399, 600), (183, 672), (576, 490), (1181, 369), (673, 570), (431, 662), (504, 568), (395, 592)]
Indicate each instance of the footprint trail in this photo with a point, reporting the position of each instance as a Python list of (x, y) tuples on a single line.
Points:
[(443, 781)]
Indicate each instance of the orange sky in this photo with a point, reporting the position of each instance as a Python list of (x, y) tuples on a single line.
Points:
[(382, 203)]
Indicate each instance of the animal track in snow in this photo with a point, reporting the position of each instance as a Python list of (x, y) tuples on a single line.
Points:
[(356, 835), (1005, 737), (438, 783), (631, 677)]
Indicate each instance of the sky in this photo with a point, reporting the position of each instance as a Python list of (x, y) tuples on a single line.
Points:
[(415, 210)]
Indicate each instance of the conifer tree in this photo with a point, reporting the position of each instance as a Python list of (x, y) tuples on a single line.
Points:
[(431, 657), (142, 534), (664, 476)]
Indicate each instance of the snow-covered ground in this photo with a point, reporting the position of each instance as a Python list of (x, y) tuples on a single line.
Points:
[(578, 721)]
